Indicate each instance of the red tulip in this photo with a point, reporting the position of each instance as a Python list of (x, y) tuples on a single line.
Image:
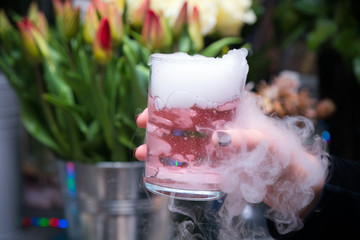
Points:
[(102, 42)]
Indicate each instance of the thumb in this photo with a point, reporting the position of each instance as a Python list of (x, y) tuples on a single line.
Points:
[(238, 137)]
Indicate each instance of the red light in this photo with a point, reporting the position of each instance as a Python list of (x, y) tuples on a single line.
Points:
[(26, 222), (54, 222)]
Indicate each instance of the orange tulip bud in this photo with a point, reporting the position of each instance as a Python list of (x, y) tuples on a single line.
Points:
[(39, 19), (152, 33), (58, 7), (140, 13), (25, 28), (5, 25), (67, 18), (102, 42), (116, 24), (180, 20), (120, 5), (71, 20), (101, 7), (91, 24), (34, 43), (42, 24), (33, 11), (195, 29)]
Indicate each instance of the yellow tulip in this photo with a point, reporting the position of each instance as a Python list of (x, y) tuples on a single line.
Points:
[(91, 24), (5, 25), (67, 18), (116, 24), (195, 29), (33, 41)]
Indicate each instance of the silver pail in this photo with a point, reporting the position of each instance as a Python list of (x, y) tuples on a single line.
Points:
[(107, 201)]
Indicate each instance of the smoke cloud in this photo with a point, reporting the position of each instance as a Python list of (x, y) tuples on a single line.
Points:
[(254, 174)]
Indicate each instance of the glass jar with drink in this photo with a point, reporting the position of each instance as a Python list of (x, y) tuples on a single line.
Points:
[(190, 97)]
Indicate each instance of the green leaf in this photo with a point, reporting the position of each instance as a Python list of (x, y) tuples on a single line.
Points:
[(130, 55), (324, 29), (124, 140), (36, 128), (310, 7), (184, 42), (215, 48), (54, 81), (348, 37), (60, 102), (294, 35), (93, 130), (356, 67), (143, 74)]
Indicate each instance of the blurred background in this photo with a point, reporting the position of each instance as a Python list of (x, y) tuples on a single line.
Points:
[(319, 40)]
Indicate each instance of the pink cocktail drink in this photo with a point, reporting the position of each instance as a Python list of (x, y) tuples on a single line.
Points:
[(182, 160)]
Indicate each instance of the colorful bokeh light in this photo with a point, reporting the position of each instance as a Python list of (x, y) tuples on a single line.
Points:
[(44, 222)]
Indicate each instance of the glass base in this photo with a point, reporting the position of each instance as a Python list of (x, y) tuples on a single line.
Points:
[(184, 194)]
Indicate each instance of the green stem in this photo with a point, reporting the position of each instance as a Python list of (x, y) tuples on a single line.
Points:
[(47, 111), (102, 108)]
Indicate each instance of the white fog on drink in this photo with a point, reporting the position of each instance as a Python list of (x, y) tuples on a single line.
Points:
[(250, 173)]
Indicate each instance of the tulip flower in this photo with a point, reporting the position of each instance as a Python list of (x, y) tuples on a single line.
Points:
[(101, 7), (195, 29), (5, 25), (33, 12), (39, 19), (58, 7), (91, 24), (180, 20), (140, 13), (116, 24), (102, 42), (120, 5), (232, 16), (34, 43), (113, 13), (152, 34), (67, 18), (42, 25)]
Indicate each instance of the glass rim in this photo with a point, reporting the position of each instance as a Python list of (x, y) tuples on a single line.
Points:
[(193, 59)]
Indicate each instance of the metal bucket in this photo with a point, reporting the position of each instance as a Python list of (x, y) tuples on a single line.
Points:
[(10, 173), (108, 201)]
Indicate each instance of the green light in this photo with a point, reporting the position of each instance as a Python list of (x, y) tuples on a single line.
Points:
[(44, 222), (176, 163), (71, 183)]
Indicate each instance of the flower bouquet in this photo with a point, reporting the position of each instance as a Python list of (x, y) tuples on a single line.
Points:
[(82, 80)]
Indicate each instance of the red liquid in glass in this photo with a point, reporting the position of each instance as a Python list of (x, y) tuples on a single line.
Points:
[(180, 150)]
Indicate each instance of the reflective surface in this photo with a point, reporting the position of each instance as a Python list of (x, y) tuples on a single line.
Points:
[(108, 201)]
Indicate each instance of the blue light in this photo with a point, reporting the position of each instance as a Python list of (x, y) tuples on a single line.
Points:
[(63, 223), (326, 136), (35, 221)]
